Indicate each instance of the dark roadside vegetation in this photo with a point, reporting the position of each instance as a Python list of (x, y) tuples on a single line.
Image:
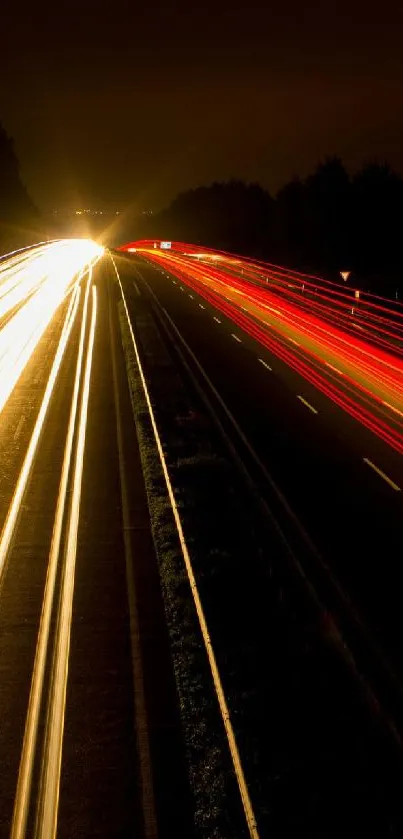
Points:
[(329, 222), (20, 221)]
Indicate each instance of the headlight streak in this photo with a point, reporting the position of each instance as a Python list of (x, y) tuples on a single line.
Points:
[(39, 283), (12, 515), (22, 799), (48, 810)]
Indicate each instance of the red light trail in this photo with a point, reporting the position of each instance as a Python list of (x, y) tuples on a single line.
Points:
[(346, 343)]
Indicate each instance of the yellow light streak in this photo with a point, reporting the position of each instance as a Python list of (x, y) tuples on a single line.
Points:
[(14, 508), (40, 283), (47, 823), (22, 798)]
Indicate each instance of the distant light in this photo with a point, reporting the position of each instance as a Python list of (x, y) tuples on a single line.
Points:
[(131, 250), (345, 275), (357, 294)]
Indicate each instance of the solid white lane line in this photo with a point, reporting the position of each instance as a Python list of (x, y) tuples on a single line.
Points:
[(201, 306), (235, 337), (47, 823), (382, 474), (217, 320), (265, 364), (233, 747), (14, 508), (22, 798), (307, 404)]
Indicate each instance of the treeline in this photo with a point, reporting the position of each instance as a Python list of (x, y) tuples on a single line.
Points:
[(19, 218), (327, 223)]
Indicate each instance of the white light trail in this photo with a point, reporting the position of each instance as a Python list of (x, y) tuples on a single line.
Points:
[(32, 286)]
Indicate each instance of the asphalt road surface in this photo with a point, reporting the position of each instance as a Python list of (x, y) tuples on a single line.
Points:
[(89, 734), (90, 737), (320, 457)]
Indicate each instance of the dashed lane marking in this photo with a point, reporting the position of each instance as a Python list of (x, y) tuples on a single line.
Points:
[(382, 474), (307, 404)]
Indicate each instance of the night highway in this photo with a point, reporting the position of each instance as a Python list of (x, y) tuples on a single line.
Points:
[(322, 411), (200, 504), (201, 421)]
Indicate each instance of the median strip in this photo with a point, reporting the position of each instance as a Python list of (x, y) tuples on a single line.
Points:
[(218, 687)]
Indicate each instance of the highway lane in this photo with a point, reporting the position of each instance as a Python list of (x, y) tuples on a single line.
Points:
[(87, 732), (82, 627), (365, 380), (358, 313), (122, 732), (315, 456)]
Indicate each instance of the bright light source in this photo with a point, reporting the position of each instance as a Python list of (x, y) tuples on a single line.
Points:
[(38, 283)]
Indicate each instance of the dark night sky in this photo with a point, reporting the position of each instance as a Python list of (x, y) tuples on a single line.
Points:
[(130, 102)]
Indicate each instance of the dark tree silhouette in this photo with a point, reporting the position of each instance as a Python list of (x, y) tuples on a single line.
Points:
[(377, 227), (327, 216), (288, 233), (229, 216), (17, 211), (324, 224)]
